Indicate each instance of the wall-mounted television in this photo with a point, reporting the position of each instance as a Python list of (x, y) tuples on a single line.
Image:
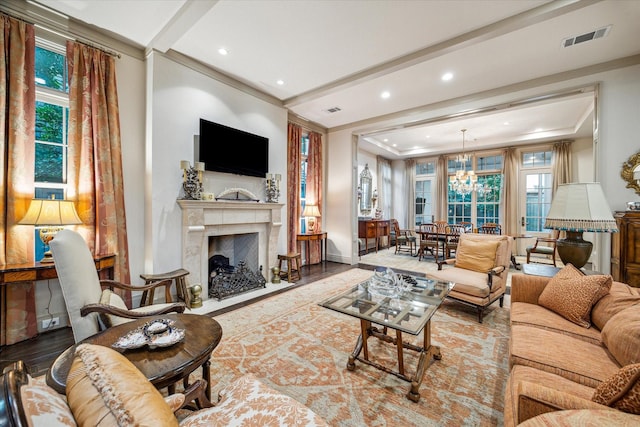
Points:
[(225, 149)]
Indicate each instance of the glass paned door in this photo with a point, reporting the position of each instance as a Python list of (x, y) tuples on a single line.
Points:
[(538, 192)]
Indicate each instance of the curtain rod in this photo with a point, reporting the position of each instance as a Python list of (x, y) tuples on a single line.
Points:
[(101, 48)]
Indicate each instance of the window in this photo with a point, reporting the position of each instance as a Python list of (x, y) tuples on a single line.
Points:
[(538, 180), (52, 112), (304, 163), (425, 182), (477, 207)]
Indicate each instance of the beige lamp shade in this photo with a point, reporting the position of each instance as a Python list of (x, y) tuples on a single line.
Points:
[(51, 212), (311, 210), (580, 207)]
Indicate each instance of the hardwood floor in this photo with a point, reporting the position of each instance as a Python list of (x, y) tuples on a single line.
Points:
[(39, 352)]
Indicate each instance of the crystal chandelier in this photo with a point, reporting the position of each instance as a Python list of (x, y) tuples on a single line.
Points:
[(465, 182)]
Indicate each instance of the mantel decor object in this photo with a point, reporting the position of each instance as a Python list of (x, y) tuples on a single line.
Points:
[(576, 208), (631, 172), (192, 180), (273, 187)]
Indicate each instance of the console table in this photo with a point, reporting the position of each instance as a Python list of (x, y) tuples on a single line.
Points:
[(31, 272), (374, 229), (309, 237)]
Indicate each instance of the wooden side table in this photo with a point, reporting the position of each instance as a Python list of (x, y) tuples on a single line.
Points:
[(163, 367), (310, 237)]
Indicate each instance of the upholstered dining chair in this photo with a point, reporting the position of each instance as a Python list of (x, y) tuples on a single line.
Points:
[(544, 246), (479, 270), (490, 228), (428, 240), (91, 308), (405, 239)]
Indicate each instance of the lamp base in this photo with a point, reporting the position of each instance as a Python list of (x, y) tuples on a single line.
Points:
[(311, 224), (47, 258), (573, 249)]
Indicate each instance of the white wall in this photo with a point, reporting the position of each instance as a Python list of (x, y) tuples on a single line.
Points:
[(181, 96)]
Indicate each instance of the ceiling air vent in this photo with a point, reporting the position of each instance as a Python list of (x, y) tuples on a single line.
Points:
[(333, 110), (586, 37)]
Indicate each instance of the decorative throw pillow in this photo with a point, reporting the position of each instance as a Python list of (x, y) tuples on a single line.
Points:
[(621, 336), (477, 255), (571, 294), (620, 297), (104, 388), (621, 390)]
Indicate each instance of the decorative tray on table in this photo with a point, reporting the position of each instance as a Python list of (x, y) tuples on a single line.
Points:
[(155, 333)]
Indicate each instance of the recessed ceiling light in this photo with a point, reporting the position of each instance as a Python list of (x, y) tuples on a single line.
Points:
[(538, 130), (280, 82), (428, 136), (446, 77), (506, 123), (385, 140), (394, 145), (415, 147), (385, 95), (223, 51)]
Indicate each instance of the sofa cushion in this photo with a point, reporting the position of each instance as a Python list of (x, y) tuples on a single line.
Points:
[(104, 388), (621, 335), (43, 406), (523, 313), (559, 354), (477, 256), (620, 296), (581, 418), (571, 294), (247, 401), (622, 390)]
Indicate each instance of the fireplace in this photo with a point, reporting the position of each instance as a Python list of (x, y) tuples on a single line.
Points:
[(233, 265), (202, 220)]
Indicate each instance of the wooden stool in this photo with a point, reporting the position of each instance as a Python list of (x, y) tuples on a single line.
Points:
[(293, 266), (181, 286)]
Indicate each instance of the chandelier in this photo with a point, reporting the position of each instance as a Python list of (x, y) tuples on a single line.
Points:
[(465, 182)]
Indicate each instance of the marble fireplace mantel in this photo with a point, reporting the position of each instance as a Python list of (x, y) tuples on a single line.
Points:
[(202, 219)]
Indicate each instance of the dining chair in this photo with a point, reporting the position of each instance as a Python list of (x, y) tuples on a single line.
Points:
[(428, 240), (91, 303), (405, 239), (490, 228), (545, 246), (452, 238), (468, 226)]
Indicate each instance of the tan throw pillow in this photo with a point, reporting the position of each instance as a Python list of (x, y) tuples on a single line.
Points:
[(621, 390), (104, 388), (621, 336), (571, 294), (477, 255), (620, 297)]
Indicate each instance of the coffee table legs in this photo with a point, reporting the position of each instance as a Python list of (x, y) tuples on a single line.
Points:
[(426, 352)]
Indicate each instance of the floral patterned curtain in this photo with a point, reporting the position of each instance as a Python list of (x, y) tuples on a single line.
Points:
[(95, 156), (294, 138), (17, 159), (314, 189)]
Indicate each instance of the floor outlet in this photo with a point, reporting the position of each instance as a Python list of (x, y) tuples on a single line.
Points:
[(50, 323)]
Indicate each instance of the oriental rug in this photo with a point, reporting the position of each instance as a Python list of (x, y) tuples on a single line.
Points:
[(301, 349)]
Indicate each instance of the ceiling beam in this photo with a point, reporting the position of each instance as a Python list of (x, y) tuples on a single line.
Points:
[(533, 16)]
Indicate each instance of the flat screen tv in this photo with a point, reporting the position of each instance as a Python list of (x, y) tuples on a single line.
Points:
[(229, 150)]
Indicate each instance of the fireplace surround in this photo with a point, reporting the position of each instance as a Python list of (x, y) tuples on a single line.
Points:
[(202, 219)]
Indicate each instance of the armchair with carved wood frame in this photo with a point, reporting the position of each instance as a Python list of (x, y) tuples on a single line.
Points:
[(92, 304)]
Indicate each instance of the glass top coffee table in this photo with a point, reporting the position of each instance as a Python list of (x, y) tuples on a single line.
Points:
[(409, 311)]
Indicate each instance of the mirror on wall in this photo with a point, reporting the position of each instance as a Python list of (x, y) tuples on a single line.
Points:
[(631, 172), (365, 192)]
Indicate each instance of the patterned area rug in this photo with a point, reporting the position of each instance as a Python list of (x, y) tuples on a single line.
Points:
[(301, 349)]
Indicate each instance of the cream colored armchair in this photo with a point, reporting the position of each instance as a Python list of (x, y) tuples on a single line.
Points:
[(91, 308), (479, 270)]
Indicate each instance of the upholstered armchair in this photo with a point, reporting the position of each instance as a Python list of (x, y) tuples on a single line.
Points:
[(479, 270), (90, 307), (106, 389)]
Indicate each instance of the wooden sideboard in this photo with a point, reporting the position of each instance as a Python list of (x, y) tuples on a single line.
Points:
[(374, 229), (625, 248)]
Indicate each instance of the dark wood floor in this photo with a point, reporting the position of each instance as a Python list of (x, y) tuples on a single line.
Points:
[(39, 352)]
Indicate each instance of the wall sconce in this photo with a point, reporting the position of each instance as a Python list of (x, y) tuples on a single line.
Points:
[(192, 179), (50, 215)]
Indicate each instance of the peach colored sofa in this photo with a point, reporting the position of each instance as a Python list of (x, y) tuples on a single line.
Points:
[(557, 365)]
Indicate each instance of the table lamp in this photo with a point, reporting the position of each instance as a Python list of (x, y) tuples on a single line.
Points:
[(311, 212), (576, 208), (50, 215)]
